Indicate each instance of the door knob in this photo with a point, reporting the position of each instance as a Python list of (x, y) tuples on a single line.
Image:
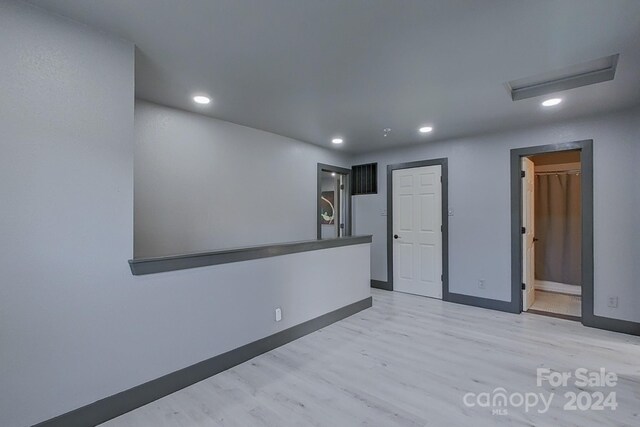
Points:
[(395, 236)]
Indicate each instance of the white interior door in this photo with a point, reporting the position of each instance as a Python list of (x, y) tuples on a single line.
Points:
[(417, 230), (528, 247)]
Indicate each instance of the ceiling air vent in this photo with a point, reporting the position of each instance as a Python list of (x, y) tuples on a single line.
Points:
[(587, 73)]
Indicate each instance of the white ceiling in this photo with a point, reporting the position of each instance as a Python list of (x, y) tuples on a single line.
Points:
[(314, 69)]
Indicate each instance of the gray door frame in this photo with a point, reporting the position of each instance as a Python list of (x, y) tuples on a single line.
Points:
[(343, 171), (443, 162), (586, 189)]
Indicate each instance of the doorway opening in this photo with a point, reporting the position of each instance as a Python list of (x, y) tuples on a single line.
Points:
[(552, 229), (552, 237), (417, 228), (334, 202)]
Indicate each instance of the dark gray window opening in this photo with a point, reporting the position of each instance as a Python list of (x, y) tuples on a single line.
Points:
[(364, 179)]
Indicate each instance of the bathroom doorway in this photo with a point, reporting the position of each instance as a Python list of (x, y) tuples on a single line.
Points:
[(552, 229), (552, 237)]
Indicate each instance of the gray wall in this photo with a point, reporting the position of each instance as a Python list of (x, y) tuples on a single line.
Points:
[(75, 325), (479, 233), (204, 184)]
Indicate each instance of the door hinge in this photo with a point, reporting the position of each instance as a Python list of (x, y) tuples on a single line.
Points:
[(342, 226), (342, 186), (441, 228), (442, 277), (524, 230), (522, 174), (524, 286)]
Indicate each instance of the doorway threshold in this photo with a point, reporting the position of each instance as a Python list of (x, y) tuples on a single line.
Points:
[(557, 315)]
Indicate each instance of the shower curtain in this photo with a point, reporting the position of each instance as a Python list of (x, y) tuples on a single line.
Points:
[(558, 228)]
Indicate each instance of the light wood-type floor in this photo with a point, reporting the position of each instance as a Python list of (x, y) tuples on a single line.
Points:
[(552, 302), (408, 361)]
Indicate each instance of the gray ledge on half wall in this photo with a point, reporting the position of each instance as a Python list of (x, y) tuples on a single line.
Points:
[(141, 266)]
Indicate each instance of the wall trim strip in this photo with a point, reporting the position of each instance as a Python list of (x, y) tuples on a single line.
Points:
[(128, 400), (143, 266), (492, 304), (379, 284), (615, 325)]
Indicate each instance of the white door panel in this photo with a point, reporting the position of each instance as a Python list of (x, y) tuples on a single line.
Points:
[(405, 220), (406, 181), (405, 264), (427, 261), (417, 221), (528, 247), (428, 204)]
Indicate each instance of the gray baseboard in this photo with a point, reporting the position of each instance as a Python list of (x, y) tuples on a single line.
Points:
[(599, 322), (492, 304), (128, 400), (614, 325), (379, 284)]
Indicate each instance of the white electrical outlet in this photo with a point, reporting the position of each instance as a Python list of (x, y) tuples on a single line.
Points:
[(613, 302), (450, 212), (278, 314), (481, 284)]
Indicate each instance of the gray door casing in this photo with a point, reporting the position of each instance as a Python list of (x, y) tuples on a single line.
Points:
[(443, 162), (586, 159), (329, 168)]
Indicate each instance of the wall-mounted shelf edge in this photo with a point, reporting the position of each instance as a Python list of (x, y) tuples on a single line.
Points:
[(142, 266)]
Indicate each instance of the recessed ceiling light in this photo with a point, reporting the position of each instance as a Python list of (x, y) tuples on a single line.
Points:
[(337, 140), (201, 99), (551, 102), (425, 129), (333, 174)]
